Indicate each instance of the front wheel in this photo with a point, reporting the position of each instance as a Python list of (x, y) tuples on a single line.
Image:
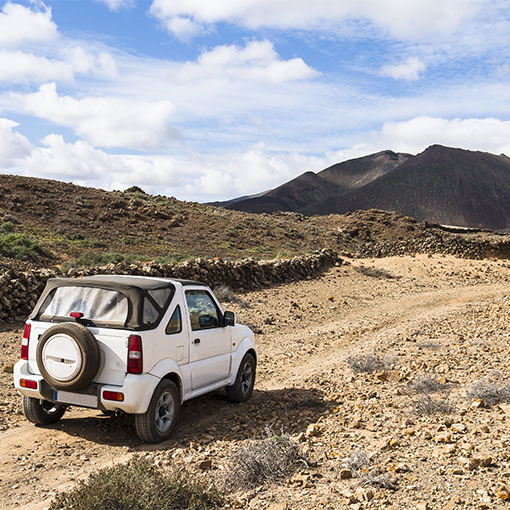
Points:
[(242, 388), (42, 412), (158, 422)]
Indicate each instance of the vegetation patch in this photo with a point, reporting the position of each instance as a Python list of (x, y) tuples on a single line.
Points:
[(139, 485), (490, 391), (369, 363), (427, 406), (22, 247), (263, 460), (93, 258)]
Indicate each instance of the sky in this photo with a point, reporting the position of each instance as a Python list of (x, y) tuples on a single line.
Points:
[(210, 100)]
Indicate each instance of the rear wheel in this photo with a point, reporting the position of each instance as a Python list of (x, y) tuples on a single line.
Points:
[(158, 422), (42, 412), (242, 389)]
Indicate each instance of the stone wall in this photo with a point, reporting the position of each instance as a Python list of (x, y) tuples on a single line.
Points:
[(19, 291)]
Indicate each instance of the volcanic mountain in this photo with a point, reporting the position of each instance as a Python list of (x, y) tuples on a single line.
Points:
[(441, 184)]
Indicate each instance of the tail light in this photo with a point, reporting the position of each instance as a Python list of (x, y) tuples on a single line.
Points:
[(135, 355), (113, 395), (27, 383), (25, 341)]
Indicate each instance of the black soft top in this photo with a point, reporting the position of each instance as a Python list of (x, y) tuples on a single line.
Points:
[(136, 289)]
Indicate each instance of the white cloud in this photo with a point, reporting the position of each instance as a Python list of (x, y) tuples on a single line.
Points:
[(409, 70), (415, 135), (401, 18), (115, 5), (83, 61), (257, 61), (19, 67), (210, 176), (105, 121), (19, 25), (13, 145)]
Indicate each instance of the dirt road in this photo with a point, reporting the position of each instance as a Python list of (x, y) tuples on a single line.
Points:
[(423, 314)]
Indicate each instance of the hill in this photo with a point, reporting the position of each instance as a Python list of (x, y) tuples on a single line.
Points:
[(48, 223), (309, 189), (444, 185)]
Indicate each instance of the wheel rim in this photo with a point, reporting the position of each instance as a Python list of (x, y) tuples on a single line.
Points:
[(246, 378), (49, 407), (165, 410)]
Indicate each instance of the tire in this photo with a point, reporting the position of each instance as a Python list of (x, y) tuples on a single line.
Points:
[(242, 389), (42, 412), (158, 422), (82, 356)]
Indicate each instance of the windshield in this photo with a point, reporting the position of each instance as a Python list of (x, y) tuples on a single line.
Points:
[(93, 303)]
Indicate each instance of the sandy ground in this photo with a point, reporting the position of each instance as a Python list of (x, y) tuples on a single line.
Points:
[(434, 318)]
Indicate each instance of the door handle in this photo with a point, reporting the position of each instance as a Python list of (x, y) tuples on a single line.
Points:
[(196, 341)]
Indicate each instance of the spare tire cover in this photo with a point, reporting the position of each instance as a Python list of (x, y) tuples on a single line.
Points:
[(68, 356)]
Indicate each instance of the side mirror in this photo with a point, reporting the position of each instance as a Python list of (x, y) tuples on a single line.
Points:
[(229, 319)]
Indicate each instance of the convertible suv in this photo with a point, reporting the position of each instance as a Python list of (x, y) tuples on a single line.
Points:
[(134, 344)]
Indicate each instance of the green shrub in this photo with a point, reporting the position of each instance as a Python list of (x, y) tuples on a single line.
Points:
[(92, 258), (7, 227), (139, 485), (21, 246)]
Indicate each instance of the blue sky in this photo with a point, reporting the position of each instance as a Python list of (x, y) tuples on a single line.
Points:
[(211, 100)]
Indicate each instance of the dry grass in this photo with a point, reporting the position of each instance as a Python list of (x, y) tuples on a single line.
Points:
[(263, 460), (427, 384), (369, 363), (490, 390), (362, 467), (427, 406)]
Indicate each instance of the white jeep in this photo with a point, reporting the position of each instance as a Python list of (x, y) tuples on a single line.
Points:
[(134, 344)]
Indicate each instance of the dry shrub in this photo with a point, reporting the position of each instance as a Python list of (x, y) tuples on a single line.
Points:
[(263, 460), (361, 467), (427, 384), (427, 406), (490, 390), (369, 362)]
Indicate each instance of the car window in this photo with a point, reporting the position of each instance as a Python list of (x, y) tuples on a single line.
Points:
[(203, 312), (175, 324), (160, 295), (93, 303), (150, 313)]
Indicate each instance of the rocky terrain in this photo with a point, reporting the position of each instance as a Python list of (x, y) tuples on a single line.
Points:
[(47, 223), (389, 373)]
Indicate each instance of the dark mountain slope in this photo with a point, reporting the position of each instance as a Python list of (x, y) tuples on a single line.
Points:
[(311, 188), (444, 185)]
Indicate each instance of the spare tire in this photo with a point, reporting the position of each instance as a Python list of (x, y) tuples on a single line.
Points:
[(68, 356)]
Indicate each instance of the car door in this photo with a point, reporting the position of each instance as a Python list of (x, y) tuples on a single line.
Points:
[(209, 340)]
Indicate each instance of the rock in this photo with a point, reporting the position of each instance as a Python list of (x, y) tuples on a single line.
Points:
[(205, 465), (364, 494), (503, 493), (458, 427), (8, 369), (443, 437), (278, 506), (345, 474), (312, 430)]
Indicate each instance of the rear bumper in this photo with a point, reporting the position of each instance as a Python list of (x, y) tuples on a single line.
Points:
[(137, 391)]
